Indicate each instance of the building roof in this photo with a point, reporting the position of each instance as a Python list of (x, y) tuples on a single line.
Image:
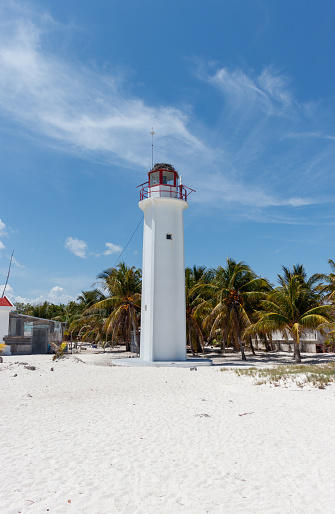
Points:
[(32, 318), (4, 302)]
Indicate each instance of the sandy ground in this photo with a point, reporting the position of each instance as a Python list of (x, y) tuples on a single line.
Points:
[(81, 436)]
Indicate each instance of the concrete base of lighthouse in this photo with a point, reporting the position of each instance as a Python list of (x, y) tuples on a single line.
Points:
[(137, 362)]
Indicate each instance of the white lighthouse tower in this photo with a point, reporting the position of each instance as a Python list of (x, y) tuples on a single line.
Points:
[(163, 318)]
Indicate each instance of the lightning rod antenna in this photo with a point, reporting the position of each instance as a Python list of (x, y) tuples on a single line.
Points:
[(4, 289), (152, 147)]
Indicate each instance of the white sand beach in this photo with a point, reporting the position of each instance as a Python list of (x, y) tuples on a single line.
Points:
[(93, 438)]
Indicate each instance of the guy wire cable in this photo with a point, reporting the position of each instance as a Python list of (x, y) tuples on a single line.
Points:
[(131, 237)]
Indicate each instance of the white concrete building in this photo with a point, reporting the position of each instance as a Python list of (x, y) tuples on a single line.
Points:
[(311, 341), (163, 318)]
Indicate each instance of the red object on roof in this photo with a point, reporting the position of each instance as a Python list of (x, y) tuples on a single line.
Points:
[(4, 302)]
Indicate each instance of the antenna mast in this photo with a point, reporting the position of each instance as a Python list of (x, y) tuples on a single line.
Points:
[(152, 147), (4, 289)]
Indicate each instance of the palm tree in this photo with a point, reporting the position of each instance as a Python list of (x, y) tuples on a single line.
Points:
[(327, 288), (327, 292), (195, 278), (81, 323), (45, 310), (299, 271), (122, 288), (291, 308), (91, 327), (236, 288), (88, 298)]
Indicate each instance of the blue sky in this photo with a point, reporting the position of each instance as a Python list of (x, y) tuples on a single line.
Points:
[(241, 98)]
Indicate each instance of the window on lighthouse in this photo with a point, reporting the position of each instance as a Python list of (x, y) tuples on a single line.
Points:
[(168, 236), (154, 178), (168, 178)]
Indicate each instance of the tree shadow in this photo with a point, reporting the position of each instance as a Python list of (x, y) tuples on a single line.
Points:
[(262, 359)]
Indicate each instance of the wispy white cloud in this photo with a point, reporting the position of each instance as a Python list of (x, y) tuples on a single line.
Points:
[(217, 189), (80, 248), (269, 90), (112, 248), (70, 283), (266, 160), (9, 293), (246, 156), (296, 241), (17, 264), (310, 135), (56, 295), (77, 105), (3, 231), (2, 246), (76, 246), (276, 88)]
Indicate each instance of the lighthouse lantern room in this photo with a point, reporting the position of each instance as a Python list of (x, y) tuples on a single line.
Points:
[(163, 199), (164, 182)]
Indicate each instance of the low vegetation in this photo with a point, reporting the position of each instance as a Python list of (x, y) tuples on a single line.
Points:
[(60, 352), (316, 375)]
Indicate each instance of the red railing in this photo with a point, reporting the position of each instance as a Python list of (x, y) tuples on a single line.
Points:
[(165, 191)]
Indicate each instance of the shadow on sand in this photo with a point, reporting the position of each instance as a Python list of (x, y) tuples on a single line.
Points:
[(266, 359)]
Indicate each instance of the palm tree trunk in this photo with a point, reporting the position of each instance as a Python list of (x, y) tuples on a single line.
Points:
[(133, 322), (251, 346), (241, 343), (202, 342), (126, 334), (199, 339), (224, 341), (296, 352), (266, 343), (223, 346), (199, 345), (190, 340), (237, 335)]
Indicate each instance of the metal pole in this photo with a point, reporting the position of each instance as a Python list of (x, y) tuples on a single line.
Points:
[(4, 289), (152, 147)]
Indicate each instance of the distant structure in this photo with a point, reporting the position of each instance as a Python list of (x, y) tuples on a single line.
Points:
[(311, 341), (163, 319), (24, 334), (28, 334)]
